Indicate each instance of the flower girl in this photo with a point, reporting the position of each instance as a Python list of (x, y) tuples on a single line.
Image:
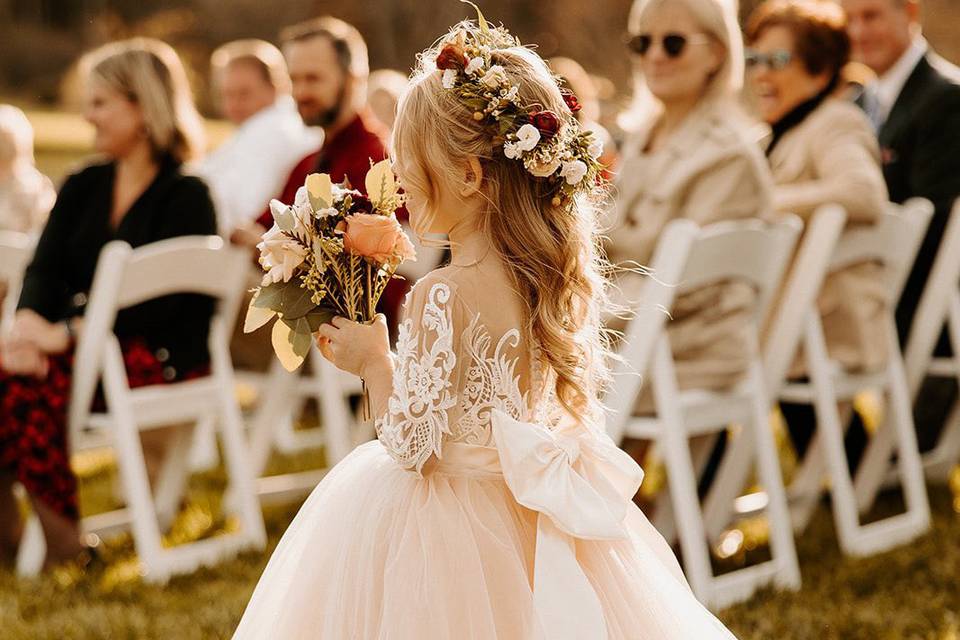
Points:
[(492, 505)]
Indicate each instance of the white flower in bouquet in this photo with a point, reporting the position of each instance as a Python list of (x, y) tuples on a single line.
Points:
[(280, 255)]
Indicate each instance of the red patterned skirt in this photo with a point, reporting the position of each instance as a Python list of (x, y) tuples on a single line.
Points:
[(33, 422)]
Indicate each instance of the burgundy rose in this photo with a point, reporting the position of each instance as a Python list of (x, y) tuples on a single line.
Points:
[(451, 57), (546, 121), (572, 103)]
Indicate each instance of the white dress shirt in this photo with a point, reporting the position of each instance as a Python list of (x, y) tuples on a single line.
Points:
[(887, 87), (253, 164)]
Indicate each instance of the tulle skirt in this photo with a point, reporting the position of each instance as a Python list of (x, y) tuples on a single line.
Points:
[(379, 553)]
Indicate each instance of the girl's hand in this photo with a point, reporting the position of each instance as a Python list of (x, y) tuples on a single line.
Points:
[(360, 349)]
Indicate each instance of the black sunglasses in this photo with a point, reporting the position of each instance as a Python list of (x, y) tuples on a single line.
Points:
[(673, 43), (775, 60)]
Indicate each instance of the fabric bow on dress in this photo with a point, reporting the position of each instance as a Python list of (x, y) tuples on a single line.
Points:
[(580, 484)]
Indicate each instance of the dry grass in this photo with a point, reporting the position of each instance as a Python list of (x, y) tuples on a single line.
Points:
[(911, 592)]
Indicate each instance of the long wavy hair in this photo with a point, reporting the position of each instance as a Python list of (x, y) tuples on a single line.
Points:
[(552, 253)]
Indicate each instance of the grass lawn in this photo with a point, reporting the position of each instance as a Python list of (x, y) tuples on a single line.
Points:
[(911, 592)]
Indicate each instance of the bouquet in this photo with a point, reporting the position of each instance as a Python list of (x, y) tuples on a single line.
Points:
[(329, 254)]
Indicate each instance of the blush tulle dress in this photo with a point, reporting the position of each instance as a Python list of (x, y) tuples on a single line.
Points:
[(476, 514)]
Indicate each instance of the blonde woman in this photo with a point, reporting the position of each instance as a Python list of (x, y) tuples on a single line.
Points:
[(26, 195), (492, 504), (690, 156), (146, 127)]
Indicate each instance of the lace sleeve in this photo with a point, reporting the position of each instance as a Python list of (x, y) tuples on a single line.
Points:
[(424, 390)]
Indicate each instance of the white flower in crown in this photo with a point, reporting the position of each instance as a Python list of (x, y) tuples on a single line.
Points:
[(494, 77), (596, 148), (542, 168), (512, 93), (573, 171), (449, 78), (473, 66), (527, 137), (511, 150)]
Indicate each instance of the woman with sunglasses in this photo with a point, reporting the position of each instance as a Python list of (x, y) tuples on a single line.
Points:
[(690, 155), (822, 150)]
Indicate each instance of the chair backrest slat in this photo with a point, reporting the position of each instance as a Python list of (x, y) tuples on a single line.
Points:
[(648, 317), (893, 241), (799, 293), (750, 251), (126, 277)]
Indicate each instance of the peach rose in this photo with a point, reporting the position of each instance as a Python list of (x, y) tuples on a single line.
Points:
[(377, 237)]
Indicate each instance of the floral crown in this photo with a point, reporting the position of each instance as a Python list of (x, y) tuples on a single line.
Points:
[(551, 147)]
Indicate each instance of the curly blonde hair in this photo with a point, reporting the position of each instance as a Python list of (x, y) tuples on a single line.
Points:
[(551, 251)]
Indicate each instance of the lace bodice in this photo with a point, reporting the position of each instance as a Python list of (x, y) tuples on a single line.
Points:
[(454, 364)]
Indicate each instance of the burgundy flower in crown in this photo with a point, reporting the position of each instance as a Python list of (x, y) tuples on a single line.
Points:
[(451, 57), (546, 121), (572, 103)]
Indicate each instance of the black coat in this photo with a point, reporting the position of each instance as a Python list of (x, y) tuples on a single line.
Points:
[(58, 280), (920, 146)]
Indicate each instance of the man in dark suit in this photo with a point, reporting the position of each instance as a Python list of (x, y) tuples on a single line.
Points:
[(915, 106)]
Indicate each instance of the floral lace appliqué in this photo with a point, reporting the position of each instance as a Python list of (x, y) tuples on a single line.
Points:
[(491, 383), (417, 415)]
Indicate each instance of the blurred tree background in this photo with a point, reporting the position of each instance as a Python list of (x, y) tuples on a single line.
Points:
[(42, 38)]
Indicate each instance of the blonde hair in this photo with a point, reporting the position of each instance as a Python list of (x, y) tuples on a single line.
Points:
[(16, 136), (260, 54), (149, 73), (718, 19), (551, 252)]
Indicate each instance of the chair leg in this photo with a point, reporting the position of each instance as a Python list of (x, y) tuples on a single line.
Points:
[(132, 469), (782, 547), (682, 478), (203, 452), (277, 405), (334, 411), (174, 474), (908, 454), (241, 490)]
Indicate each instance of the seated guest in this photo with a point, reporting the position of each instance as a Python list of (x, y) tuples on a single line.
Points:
[(251, 166), (915, 106), (138, 101), (691, 157), (823, 150), (26, 195), (383, 92), (327, 61)]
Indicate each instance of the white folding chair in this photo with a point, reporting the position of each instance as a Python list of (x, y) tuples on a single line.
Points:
[(783, 336), (16, 250), (124, 278), (939, 306), (283, 394), (756, 253), (893, 241)]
